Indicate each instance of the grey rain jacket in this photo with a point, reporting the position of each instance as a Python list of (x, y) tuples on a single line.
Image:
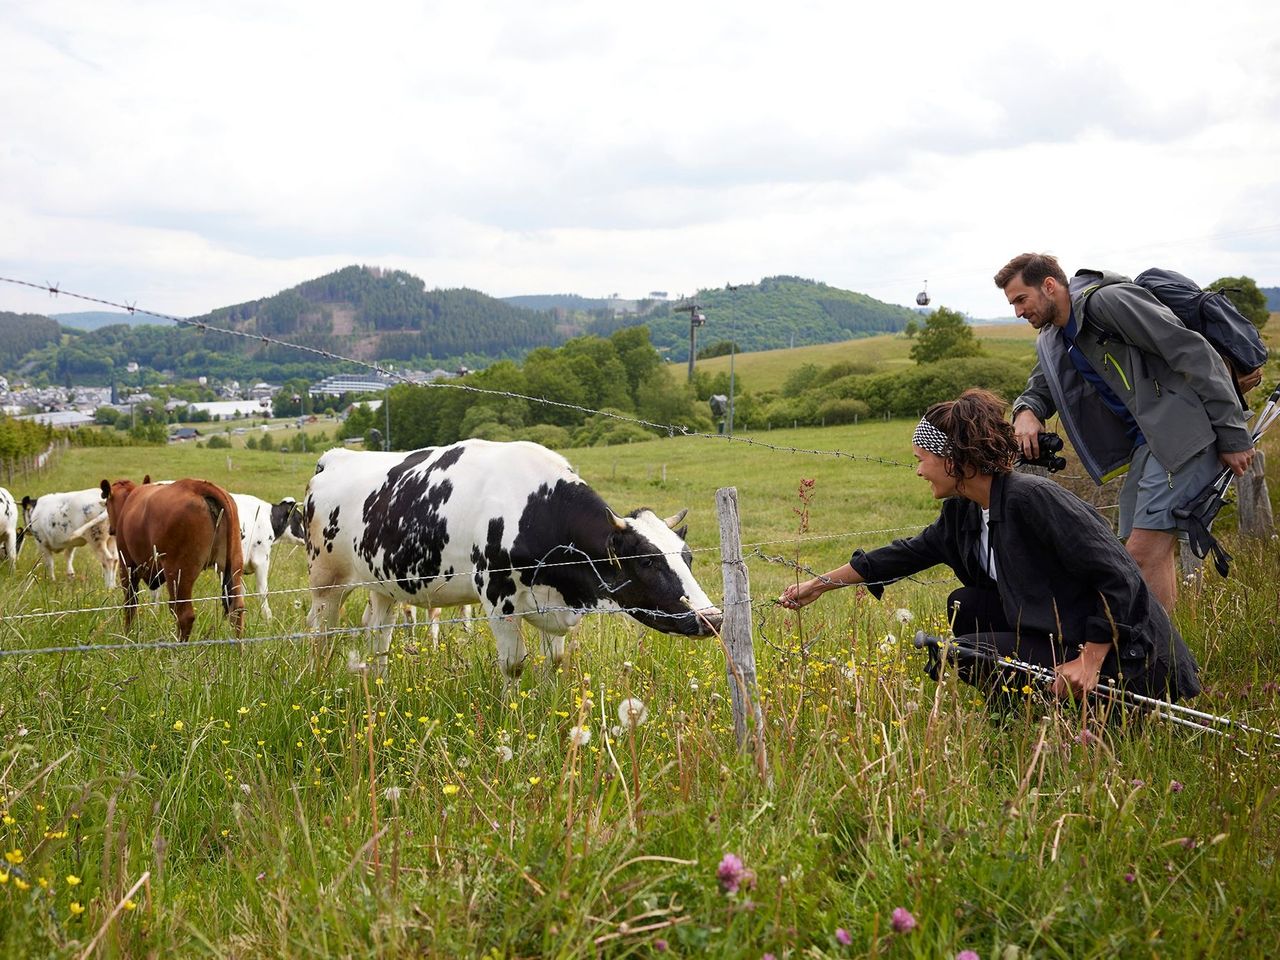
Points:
[(1170, 378), (1061, 572)]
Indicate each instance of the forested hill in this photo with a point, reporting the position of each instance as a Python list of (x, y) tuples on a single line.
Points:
[(20, 333), (372, 313), (776, 312)]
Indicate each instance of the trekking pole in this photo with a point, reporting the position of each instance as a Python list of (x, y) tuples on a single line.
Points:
[(1173, 712), (1200, 511)]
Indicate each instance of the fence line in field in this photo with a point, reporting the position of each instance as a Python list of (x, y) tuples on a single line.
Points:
[(671, 429), (289, 591)]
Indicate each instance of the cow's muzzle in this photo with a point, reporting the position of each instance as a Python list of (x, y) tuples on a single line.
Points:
[(709, 620)]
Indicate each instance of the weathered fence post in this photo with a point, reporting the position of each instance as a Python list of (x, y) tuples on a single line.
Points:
[(736, 632), (1255, 507)]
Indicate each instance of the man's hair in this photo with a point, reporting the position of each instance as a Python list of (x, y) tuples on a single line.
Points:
[(977, 432), (1034, 269)]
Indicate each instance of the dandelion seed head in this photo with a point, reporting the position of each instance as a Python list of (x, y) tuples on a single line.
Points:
[(579, 736), (632, 712), (504, 753), (903, 615), (355, 663)]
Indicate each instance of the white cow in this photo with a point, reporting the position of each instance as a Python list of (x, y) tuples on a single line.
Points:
[(65, 521), (9, 527), (261, 525)]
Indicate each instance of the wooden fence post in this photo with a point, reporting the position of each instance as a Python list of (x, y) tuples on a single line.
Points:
[(735, 632), (1255, 507)]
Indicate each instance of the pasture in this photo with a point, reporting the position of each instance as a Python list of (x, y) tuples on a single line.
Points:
[(281, 808)]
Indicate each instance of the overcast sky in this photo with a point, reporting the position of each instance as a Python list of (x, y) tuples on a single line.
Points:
[(191, 155)]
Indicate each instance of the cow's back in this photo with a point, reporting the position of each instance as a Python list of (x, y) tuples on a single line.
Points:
[(56, 517), (416, 521)]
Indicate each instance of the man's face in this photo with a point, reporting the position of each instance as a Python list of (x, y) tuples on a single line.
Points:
[(1033, 304)]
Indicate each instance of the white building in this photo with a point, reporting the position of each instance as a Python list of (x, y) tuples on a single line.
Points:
[(230, 409)]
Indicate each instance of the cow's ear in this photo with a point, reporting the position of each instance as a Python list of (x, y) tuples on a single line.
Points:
[(146, 478), (106, 489), (28, 503), (683, 532)]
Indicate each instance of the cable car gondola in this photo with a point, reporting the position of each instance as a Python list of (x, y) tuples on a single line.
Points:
[(922, 298)]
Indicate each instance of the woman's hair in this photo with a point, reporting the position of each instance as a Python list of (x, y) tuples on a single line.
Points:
[(978, 435)]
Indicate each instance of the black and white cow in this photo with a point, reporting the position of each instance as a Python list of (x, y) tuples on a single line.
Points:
[(262, 524), (9, 527), (510, 526), (65, 521)]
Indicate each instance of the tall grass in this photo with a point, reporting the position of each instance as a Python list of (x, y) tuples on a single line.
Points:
[(276, 809)]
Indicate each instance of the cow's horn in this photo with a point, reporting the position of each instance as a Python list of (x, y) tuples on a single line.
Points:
[(674, 522), (618, 522)]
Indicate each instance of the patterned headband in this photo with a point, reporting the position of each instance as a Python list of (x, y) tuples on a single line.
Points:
[(928, 437)]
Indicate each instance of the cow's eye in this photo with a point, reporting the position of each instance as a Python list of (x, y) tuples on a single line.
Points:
[(646, 562)]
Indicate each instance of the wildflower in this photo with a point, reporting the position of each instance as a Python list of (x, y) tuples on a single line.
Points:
[(504, 753), (354, 662), (9, 821), (1026, 690), (579, 736), (1175, 786), (903, 615), (632, 712), (843, 937), (967, 955), (4, 878), (73, 880), (130, 905), (392, 794), (21, 884), (534, 781), (15, 856), (902, 921), (178, 725), (730, 873), (1137, 784), (450, 789), (660, 945), (1086, 737), (76, 908), (1130, 877)]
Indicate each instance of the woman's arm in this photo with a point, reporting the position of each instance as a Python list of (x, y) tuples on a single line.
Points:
[(802, 594)]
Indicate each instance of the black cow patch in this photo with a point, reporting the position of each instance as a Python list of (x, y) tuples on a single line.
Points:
[(330, 532), (502, 584), (403, 522)]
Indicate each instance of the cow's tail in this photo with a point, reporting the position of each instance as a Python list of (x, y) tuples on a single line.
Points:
[(222, 507)]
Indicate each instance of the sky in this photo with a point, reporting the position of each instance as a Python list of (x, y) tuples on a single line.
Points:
[(187, 155)]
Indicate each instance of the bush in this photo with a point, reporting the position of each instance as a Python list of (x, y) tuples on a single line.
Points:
[(547, 434), (841, 410), (216, 442)]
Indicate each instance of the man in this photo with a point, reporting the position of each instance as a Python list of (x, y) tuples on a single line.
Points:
[(1135, 390)]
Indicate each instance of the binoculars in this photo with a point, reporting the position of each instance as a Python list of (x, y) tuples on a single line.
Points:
[(1049, 459)]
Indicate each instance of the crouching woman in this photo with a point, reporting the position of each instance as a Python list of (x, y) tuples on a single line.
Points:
[(1043, 577)]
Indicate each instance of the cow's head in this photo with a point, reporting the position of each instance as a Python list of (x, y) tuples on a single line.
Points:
[(652, 575), (286, 521), (114, 495), (28, 504)]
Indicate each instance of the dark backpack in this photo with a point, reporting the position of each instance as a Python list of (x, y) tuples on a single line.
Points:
[(1213, 316)]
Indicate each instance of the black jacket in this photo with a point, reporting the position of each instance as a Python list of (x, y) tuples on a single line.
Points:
[(1061, 572)]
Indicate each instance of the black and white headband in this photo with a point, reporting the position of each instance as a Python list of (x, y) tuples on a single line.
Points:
[(928, 437)]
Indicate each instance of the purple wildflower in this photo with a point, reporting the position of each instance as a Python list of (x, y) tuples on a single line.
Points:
[(1137, 783), (902, 920), (730, 873), (843, 937), (660, 945), (1086, 737), (768, 956), (1175, 786), (1129, 877), (967, 955)]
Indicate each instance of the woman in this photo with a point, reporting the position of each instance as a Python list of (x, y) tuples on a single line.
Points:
[(1043, 577)]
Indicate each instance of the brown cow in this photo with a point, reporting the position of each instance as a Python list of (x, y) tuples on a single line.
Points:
[(168, 533)]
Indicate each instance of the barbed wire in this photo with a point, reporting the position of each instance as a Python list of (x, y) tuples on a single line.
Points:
[(670, 429), (464, 574)]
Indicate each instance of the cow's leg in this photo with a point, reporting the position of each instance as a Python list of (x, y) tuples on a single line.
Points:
[(381, 614), (180, 600), (553, 647), (435, 627), (130, 580), (511, 649), (261, 573), (71, 567)]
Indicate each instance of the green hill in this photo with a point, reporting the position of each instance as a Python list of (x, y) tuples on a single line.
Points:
[(777, 312)]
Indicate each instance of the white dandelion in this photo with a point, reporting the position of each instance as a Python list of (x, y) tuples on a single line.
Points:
[(632, 712), (903, 615), (355, 663), (392, 794), (504, 753), (579, 736)]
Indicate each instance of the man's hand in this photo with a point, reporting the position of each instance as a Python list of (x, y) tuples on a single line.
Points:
[(1237, 462), (1248, 381), (1079, 676), (1026, 430), (801, 594)]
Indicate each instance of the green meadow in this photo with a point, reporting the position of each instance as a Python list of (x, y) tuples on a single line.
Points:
[(251, 800)]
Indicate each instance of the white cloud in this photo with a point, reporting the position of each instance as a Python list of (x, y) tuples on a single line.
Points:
[(188, 156)]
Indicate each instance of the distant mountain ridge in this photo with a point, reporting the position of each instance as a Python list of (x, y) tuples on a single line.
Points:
[(1273, 297), (373, 314)]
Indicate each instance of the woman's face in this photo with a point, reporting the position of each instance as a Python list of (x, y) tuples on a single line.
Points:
[(934, 469)]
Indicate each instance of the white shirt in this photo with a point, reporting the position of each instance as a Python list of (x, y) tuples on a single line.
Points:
[(986, 556)]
